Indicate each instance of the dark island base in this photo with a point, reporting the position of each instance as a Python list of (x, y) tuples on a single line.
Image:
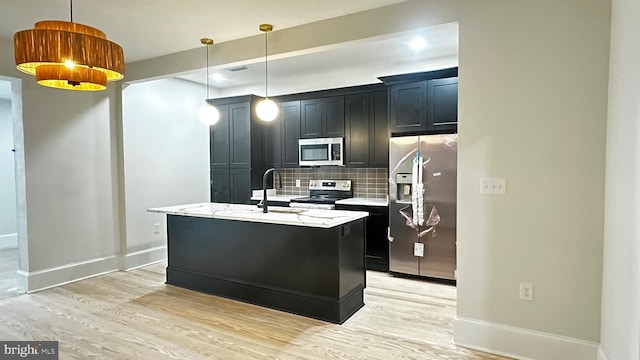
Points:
[(299, 304), (313, 272)]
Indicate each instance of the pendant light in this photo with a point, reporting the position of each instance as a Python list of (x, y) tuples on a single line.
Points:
[(208, 114), (266, 109), (68, 55)]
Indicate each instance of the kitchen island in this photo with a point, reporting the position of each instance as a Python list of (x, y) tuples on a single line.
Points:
[(307, 262)]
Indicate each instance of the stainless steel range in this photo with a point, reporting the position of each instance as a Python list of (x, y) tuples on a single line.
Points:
[(323, 194)]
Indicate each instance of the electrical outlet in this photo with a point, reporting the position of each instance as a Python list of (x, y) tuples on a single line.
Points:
[(526, 291), (493, 186), (156, 228), (297, 182)]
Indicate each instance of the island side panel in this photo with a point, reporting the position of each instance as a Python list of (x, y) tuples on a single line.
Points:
[(291, 268), (352, 265)]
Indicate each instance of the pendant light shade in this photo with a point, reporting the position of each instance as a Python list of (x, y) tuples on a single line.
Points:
[(68, 55), (266, 109), (208, 114)]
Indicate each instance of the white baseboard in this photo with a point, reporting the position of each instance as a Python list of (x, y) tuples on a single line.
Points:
[(48, 278), (8, 241), (144, 257), (601, 354), (520, 343)]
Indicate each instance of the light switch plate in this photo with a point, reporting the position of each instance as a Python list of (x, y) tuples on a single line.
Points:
[(297, 182), (493, 186), (418, 249)]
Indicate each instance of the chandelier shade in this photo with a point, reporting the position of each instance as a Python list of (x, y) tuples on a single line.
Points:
[(68, 55)]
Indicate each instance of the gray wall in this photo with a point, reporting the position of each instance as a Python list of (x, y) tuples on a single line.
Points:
[(8, 225), (166, 155), (621, 278)]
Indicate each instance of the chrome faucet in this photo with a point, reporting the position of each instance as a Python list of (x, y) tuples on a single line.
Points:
[(264, 187)]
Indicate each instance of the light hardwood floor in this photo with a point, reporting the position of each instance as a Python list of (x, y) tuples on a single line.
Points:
[(8, 268), (134, 315)]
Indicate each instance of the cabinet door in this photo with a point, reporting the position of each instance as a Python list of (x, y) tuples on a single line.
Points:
[(333, 116), (220, 185), (311, 119), (379, 129), (290, 132), (240, 135), (357, 130), (272, 143), (219, 139), (240, 181), (408, 107), (442, 104)]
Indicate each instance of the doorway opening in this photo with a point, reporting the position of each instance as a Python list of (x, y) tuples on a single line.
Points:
[(9, 254)]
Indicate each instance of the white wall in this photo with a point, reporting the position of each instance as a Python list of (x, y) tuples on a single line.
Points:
[(532, 109), (8, 224), (621, 276), (71, 184), (166, 155)]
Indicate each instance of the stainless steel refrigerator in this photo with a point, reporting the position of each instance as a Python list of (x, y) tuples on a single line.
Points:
[(422, 205)]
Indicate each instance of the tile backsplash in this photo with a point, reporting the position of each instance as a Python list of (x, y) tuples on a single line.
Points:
[(366, 182)]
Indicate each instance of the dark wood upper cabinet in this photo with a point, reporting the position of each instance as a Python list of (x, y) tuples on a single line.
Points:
[(379, 130), (236, 150), (357, 130), (273, 143), (366, 132), (408, 107), (442, 100), (219, 140), (290, 132), (310, 118), (423, 103), (333, 116), (240, 135), (323, 117)]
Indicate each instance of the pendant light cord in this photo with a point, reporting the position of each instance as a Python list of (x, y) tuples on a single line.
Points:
[(71, 8), (207, 100), (266, 72)]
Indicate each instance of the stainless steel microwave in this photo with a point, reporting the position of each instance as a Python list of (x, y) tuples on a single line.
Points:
[(322, 151)]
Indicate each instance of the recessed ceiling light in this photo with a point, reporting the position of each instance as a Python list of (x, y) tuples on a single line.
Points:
[(217, 77), (417, 44)]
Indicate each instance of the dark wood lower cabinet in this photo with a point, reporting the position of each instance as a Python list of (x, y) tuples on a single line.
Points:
[(231, 186), (309, 271), (377, 251), (220, 189)]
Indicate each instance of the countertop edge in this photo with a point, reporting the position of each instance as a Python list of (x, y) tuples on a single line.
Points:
[(285, 219)]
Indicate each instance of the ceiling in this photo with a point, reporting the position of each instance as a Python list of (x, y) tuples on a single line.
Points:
[(151, 28), (372, 57)]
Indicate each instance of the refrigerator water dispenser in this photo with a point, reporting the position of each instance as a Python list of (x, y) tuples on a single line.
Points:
[(404, 187)]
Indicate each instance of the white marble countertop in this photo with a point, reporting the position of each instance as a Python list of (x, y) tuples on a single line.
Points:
[(363, 201), (276, 214)]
